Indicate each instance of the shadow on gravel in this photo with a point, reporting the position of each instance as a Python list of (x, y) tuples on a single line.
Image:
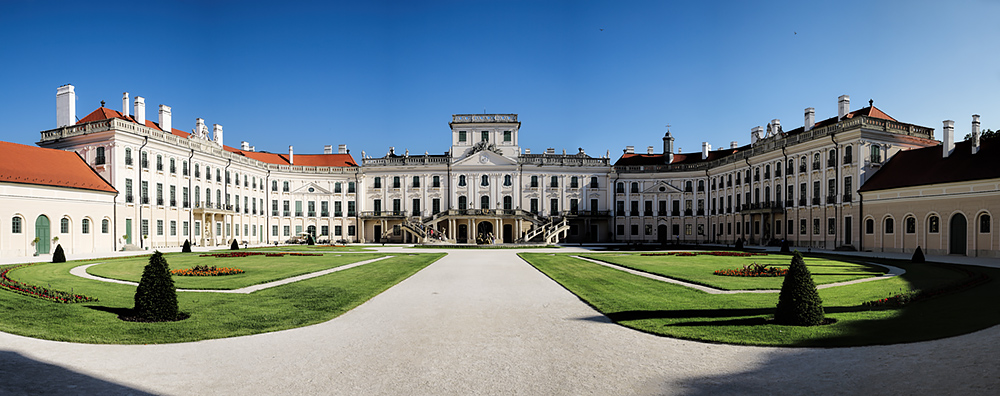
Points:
[(25, 376)]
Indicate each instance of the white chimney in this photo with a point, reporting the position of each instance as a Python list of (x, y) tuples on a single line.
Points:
[(843, 106), (291, 155), (217, 134), (775, 126), (253, 148), (649, 150), (125, 104), (755, 134), (810, 118), (733, 144), (975, 133), (245, 146), (140, 110), (948, 140), (65, 106), (165, 123), (199, 128), (550, 151), (705, 148), (342, 149), (328, 149), (527, 151), (629, 149)]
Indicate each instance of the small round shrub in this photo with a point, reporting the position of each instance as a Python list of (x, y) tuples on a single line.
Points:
[(59, 256), (156, 297), (799, 303)]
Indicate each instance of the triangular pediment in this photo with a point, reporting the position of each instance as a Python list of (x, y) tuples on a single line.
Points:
[(661, 187), (485, 159), (311, 188)]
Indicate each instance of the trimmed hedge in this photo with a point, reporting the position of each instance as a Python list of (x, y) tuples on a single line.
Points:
[(59, 256), (799, 303), (156, 297), (187, 247)]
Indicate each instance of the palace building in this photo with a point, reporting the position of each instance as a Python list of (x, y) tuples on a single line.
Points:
[(839, 183)]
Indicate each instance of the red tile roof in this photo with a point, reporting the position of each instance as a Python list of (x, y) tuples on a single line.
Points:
[(924, 166), (48, 167), (338, 160)]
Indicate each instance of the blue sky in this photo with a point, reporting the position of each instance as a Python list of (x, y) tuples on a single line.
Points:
[(377, 74)]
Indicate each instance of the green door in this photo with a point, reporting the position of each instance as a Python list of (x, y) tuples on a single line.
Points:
[(42, 233), (128, 231)]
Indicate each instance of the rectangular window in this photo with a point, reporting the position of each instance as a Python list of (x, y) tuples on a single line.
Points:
[(274, 230), (507, 136), (831, 226), (485, 136), (159, 227), (648, 229), (336, 188), (350, 187), (687, 229), (128, 190), (286, 230), (144, 227), (802, 226), (620, 229), (635, 229), (435, 205), (298, 208), (416, 181), (338, 230), (350, 230), (676, 228), (197, 228), (173, 227), (815, 226), (461, 136), (338, 209), (184, 228), (324, 230), (350, 208)]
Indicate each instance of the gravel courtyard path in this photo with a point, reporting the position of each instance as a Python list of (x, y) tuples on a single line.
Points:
[(485, 322)]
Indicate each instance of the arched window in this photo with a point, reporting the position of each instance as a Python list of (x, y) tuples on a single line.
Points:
[(701, 185), (767, 171), (144, 160), (620, 188), (756, 195), (635, 188), (218, 175), (64, 225), (933, 224), (236, 178), (462, 203), (777, 168), (767, 194), (436, 181), (848, 154), (889, 226), (687, 186), (832, 158), (274, 185), (508, 202), (802, 164), (218, 197), (869, 226), (461, 180), (484, 181), (99, 157), (128, 156), (816, 161), (173, 166), (911, 225), (16, 225), (197, 196), (208, 172), (285, 186), (85, 226), (105, 226), (984, 223), (159, 163), (208, 197), (484, 202)]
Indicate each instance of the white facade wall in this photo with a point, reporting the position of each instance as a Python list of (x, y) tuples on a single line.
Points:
[(27, 202)]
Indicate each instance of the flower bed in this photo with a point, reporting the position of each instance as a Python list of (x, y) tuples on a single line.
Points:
[(753, 270), (204, 270), (38, 291), (719, 254), (902, 298), (265, 254)]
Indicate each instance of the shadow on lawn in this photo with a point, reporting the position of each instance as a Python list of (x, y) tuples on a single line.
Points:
[(118, 311)]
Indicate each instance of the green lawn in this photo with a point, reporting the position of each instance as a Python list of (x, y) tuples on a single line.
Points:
[(259, 269), (306, 248), (213, 315), (699, 269), (677, 311)]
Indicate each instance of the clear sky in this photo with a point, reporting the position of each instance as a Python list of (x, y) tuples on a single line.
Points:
[(596, 75)]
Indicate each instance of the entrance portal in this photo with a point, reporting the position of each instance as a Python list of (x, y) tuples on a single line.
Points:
[(378, 233), (508, 233), (463, 234), (661, 234), (958, 239), (484, 232), (42, 233)]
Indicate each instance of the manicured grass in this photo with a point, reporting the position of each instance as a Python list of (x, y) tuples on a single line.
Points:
[(677, 311), (213, 315), (259, 269), (699, 269), (306, 248), (484, 247)]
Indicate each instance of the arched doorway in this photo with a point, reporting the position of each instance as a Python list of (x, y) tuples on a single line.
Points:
[(484, 232), (42, 233), (312, 232), (661, 234), (959, 239)]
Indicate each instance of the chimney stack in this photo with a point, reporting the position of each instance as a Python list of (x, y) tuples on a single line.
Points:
[(328, 149), (245, 146), (199, 128), (291, 155), (733, 144), (649, 150), (65, 106), (165, 123), (843, 106), (629, 149), (775, 127), (810, 118), (975, 133), (217, 134), (342, 149), (705, 148), (948, 140), (125, 104), (140, 110), (755, 134)]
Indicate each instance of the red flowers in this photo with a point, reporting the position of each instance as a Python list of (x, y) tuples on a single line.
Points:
[(38, 291), (204, 270)]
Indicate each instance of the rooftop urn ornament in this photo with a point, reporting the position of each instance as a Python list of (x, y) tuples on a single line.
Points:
[(871, 103)]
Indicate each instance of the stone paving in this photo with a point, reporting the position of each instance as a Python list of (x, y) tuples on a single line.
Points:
[(485, 322)]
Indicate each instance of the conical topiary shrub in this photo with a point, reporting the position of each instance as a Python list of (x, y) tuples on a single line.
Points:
[(187, 247), (918, 255), (784, 246), (59, 256), (310, 240), (156, 298), (739, 244), (799, 303), (234, 246)]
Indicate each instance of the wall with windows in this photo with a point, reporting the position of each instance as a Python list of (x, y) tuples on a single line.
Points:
[(79, 220)]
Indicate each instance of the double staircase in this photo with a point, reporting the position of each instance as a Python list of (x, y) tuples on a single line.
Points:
[(549, 231)]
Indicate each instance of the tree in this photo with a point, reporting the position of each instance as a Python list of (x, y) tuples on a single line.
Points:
[(918, 255), (799, 303), (235, 245), (987, 134), (156, 297), (187, 247), (59, 256)]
